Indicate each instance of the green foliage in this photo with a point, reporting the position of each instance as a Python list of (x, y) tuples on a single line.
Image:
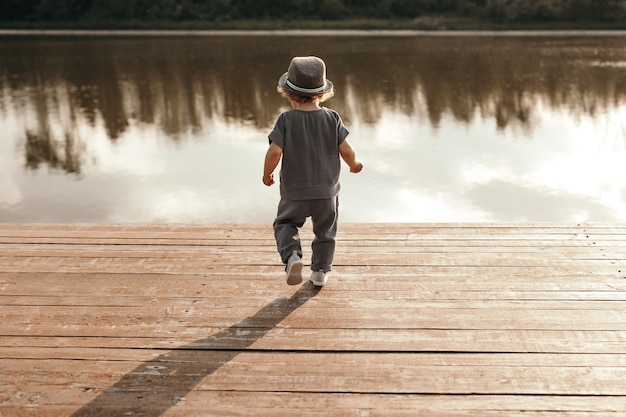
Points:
[(496, 11), (554, 10), (17, 9)]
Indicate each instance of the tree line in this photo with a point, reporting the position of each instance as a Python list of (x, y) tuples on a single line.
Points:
[(498, 11)]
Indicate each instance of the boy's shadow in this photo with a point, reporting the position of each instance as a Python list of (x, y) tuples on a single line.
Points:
[(163, 382)]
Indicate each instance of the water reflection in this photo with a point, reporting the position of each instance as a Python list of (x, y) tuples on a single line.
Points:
[(178, 126)]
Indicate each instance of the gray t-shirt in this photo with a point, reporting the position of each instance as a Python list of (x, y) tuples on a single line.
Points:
[(310, 163)]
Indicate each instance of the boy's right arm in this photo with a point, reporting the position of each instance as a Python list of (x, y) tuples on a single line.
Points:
[(348, 154), (272, 158)]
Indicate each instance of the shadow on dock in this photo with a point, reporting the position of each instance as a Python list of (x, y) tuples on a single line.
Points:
[(163, 382)]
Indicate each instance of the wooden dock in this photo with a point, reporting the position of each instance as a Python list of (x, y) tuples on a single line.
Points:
[(420, 319)]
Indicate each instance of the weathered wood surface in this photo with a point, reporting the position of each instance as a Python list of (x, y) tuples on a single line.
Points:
[(420, 319)]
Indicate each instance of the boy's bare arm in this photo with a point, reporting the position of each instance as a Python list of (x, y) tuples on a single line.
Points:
[(348, 154), (272, 158)]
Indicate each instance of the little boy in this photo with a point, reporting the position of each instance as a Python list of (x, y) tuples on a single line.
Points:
[(310, 140)]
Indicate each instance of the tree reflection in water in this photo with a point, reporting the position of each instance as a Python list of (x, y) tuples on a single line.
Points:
[(183, 86)]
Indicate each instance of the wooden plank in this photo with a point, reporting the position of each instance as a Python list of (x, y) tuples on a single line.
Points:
[(384, 228), (399, 253), (399, 373), (58, 401), (425, 299), (355, 340), (360, 282), (351, 317), (458, 319), (475, 232), (193, 265)]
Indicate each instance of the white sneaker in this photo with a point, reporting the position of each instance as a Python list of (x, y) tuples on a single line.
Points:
[(319, 278), (294, 269)]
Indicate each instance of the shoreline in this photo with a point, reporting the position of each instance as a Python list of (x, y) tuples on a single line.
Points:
[(312, 32)]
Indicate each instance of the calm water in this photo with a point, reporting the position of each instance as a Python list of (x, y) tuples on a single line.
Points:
[(449, 128)]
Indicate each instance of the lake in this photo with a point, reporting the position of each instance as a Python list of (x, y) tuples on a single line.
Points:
[(450, 128)]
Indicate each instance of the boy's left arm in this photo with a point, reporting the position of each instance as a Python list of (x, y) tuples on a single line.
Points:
[(272, 158), (348, 154)]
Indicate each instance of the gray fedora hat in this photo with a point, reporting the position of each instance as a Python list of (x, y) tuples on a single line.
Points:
[(305, 77)]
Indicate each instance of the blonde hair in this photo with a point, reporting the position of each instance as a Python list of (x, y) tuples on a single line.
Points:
[(299, 99)]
